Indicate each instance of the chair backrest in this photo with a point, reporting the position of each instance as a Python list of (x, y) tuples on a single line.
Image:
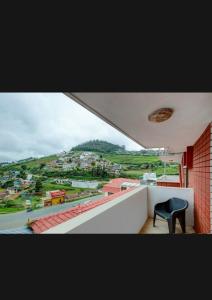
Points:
[(176, 203)]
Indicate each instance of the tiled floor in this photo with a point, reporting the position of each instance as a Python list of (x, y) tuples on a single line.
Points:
[(162, 227)]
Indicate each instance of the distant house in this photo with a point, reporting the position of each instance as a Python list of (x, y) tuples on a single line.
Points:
[(62, 181), (60, 162), (18, 183), (29, 177), (51, 164), (54, 197), (118, 184), (116, 167), (69, 166), (5, 178), (84, 165), (87, 155), (62, 154), (12, 190), (13, 173), (3, 164), (21, 183), (26, 183)]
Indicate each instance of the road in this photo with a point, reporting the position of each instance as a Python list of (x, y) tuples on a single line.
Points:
[(19, 219)]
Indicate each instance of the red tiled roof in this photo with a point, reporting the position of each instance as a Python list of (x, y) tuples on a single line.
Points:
[(115, 184), (57, 194), (44, 223)]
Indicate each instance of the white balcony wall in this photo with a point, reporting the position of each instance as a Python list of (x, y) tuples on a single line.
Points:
[(125, 214), (156, 194)]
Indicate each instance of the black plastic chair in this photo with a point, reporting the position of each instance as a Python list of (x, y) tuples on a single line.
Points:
[(171, 210)]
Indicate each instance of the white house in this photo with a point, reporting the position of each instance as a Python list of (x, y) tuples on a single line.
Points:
[(85, 184), (29, 177), (69, 166)]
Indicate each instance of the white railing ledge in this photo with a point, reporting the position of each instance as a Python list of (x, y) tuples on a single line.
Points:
[(70, 225)]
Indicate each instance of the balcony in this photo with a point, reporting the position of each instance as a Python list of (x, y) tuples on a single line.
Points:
[(129, 213), (186, 133)]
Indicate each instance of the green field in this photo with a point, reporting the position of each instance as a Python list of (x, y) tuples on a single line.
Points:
[(158, 171), (7, 210), (131, 159)]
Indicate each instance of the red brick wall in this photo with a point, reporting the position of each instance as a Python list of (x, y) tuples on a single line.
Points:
[(199, 180)]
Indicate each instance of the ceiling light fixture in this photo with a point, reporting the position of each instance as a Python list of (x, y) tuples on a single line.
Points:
[(161, 115)]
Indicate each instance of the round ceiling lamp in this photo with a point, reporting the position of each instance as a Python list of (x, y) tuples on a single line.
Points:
[(161, 115)]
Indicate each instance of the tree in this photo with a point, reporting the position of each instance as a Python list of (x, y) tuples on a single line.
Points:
[(38, 185), (100, 186), (42, 165), (24, 167), (22, 174), (7, 184), (93, 163)]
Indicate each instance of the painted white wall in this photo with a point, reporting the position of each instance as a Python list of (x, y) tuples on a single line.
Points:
[(156, 194), (85, 184), (125, 214)]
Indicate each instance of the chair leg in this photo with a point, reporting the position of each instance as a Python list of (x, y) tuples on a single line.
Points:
[(182, 222), (171, 225), (154, 219)]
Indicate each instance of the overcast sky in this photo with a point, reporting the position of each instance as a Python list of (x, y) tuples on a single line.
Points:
[(38, 124)]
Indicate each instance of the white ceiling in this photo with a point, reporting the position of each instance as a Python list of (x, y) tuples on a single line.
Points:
[(128, 112)]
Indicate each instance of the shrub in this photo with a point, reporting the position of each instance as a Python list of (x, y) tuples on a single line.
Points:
[(10, 203)]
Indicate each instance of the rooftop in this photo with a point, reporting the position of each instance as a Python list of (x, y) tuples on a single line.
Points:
[(117, 182)]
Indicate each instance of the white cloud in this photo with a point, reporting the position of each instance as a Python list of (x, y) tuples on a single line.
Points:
[(36, 124)]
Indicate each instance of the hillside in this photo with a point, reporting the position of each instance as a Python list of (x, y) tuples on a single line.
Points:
[(99, 146), (35, 163), (133, 164)]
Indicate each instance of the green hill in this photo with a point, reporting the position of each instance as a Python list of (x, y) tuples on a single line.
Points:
[(99, 146)]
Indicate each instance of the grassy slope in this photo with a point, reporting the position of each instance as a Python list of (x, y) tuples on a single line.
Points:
[(30, 164), (127, 159), (37, 162), (159, 171)]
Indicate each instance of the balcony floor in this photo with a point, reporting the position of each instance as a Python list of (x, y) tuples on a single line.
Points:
[(162, 227)]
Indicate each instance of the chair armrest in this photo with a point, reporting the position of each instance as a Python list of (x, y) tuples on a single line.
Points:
[(179, 210)]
